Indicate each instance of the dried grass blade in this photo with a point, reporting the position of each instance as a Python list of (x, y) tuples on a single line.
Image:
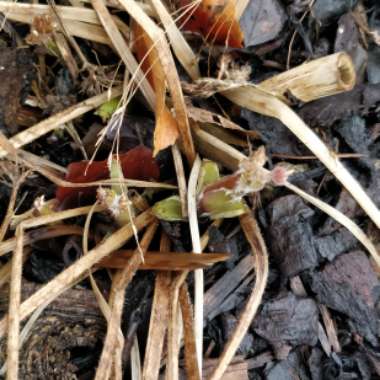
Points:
[(341, 219), (60, 215), (259, 101), (175, 328), (107, 182), (318, 78), (181, 178), (191, 362), (11, 204), (136, 370), (74, 28), (5, 270), (86, 31), (181, 48), (13, 341), (76, 271), (158, 319), (115, 4), (205, 116), (58, 119), (64, 12), (43, 233), (119, 286), (253, 235), (197, 248), (124, 52), (217, 150), (39, 161)]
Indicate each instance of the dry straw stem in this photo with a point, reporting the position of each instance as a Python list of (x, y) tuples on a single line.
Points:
[(119, 285), (166, 59), (124, 52), (217, 150), (330, 327), (257, 100), (68, 58), (38, 161), (181, 48), (58, 119), (75, 272), (214, 149), (77, 21), (175, 328), (67, 13), (14, 308), (318, 78), (136, 371), (115, 4), (11, 205), (107, 182), (181, 178), (208, 117), (158, 318), (253, 235), (225, 135), (5, 270), (58, 216), (197, 248), (43, 233), (191, 362), (340, 218)]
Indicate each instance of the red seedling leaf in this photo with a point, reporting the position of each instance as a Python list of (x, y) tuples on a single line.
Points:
[(138, 163), (215, 20), (166, 129)]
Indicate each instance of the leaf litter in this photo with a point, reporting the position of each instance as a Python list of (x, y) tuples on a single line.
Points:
[(174, 81)]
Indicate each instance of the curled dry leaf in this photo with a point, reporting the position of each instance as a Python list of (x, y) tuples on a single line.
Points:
[(215, 20), (166, 130), (137, 163)]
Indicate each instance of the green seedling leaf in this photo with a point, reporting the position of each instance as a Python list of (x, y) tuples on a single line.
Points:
[(116, 173), (209, 174), (218, 204), (169, 209), (107, 109)]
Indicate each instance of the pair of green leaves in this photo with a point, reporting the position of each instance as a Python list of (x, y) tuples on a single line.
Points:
[(213, 201)]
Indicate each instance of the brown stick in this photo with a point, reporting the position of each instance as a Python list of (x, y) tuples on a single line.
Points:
[(165, 261)]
